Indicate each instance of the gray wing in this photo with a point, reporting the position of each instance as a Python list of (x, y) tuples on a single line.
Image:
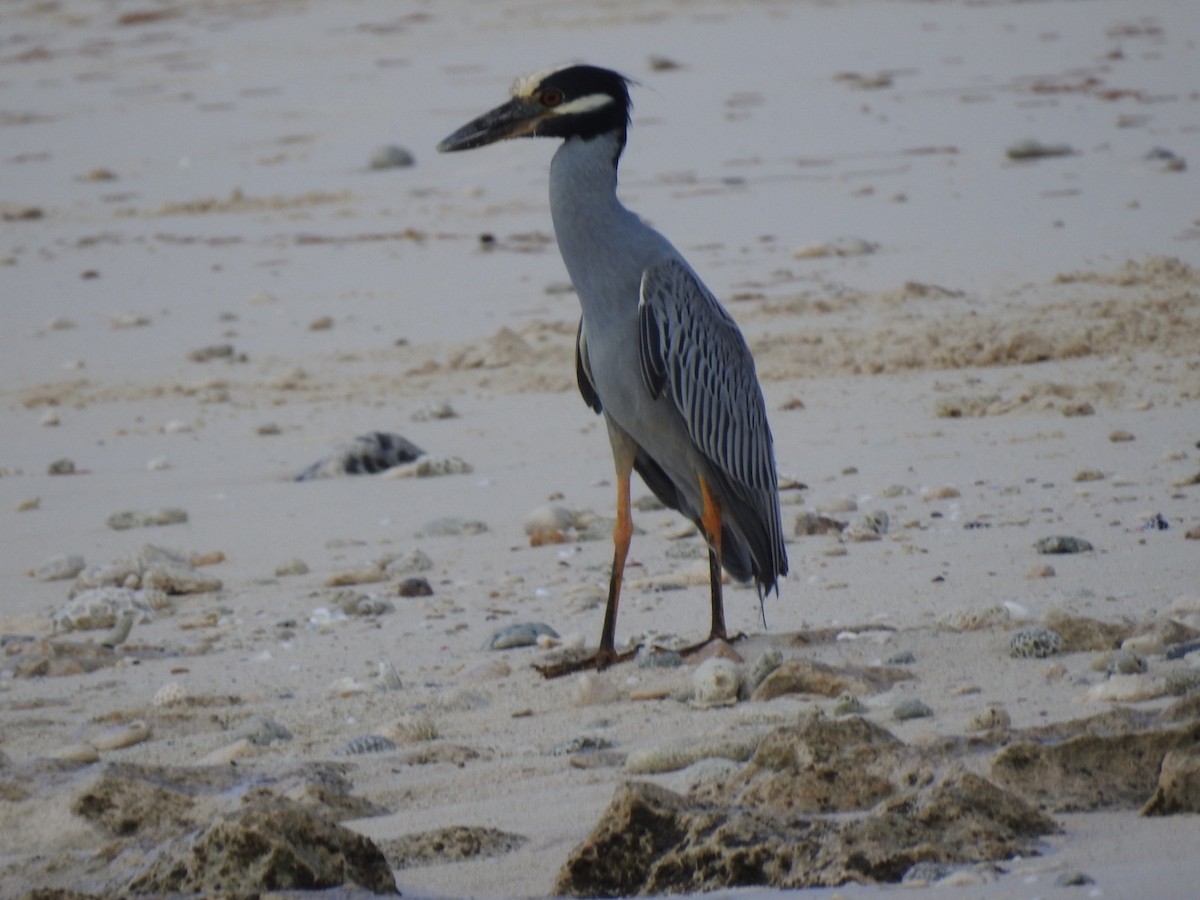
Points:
[(692, 352), (583, 371)]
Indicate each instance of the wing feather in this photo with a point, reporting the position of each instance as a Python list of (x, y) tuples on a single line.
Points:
[(693, 352)]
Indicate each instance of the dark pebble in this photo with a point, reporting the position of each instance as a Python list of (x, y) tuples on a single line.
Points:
[(415, 587)]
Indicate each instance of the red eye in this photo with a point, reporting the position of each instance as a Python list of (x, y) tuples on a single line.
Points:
[(551, 97)]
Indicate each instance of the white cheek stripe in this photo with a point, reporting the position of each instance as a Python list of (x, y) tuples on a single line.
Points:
[(582, 105)]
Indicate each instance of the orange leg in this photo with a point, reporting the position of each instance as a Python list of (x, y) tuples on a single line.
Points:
[(624, 451), (710, 518), (622, 535)]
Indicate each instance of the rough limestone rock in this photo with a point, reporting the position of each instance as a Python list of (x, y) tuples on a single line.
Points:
[(1178, 789), (651, 840), (1092, 770), (1081, 633), (272, 843), (819, 766), (443, 845), (150, 567), (802, 676)]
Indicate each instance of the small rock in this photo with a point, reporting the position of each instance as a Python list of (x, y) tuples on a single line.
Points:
[(716, 682), (1125, 662), (389, 678), (584, 744), (662, 63), (520, 634), (368, 573), (945, 492), (121, 736), (211, 352), (452, 526), (594, 689), (1126, 689), (994, 718), (170, 694), (911, 709), (1163, 160), (122, 521), (650, 657), (438, 410), (363, 744), (1089, 475), (369, 606), (227, 755), (1073, 879), (431, 467), (408, 563), (391, 156), (548, 524), (904, 658), (291, 567), (1062, 544), (849, 705), (1045, 570), (413, 729), (57, 568), (262, 731), (767, 663), (802, 676), (1153, 522), (119, 633), (102, 608), (364, 455), (82, 753), (1034, 643), (810, 523), (1121, 436), (870, 526), (1030, 149), (671, 757), (845, 246), (414, 586), (61, 467)]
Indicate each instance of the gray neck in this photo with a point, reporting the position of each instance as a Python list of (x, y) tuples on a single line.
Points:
[(604, 246)]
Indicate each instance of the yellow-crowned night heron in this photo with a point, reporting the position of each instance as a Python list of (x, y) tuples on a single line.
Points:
[(656, 353)]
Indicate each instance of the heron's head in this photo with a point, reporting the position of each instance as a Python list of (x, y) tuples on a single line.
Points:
[(576, 101)]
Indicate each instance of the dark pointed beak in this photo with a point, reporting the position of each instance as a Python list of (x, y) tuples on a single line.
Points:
[(516, 118)]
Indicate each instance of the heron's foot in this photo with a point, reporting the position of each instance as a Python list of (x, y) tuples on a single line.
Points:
[(597, 661), (716, 642)]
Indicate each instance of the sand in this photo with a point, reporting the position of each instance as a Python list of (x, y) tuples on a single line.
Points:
[(926, 312)]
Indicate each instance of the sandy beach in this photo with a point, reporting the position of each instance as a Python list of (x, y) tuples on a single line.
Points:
[(962, 240)]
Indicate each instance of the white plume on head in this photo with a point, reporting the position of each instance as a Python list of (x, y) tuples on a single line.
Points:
[(525, 85)]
